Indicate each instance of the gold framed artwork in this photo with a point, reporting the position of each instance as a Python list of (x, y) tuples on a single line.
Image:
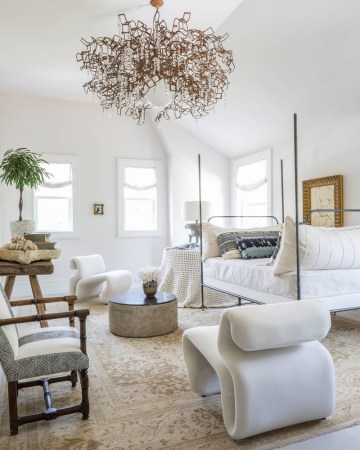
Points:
[(324, 193), (99, 209)]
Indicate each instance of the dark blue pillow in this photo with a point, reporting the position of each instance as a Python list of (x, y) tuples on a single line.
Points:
[(256, 247)]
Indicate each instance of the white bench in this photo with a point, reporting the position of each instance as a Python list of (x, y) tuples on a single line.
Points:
[(91, 280)]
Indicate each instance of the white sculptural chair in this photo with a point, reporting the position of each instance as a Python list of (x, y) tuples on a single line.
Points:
[(267, 363), (92, 280)]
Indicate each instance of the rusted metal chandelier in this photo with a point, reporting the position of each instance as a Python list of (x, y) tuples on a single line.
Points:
[(192, 65)]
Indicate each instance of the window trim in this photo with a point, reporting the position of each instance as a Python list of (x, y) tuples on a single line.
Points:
[(248, 159), (30, 195), (122, 163)]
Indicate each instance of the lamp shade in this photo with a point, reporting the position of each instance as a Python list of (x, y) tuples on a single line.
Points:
[(159, 95), (191, 210)]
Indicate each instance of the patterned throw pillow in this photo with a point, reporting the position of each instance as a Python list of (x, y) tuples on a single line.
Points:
[(226, 239), (257, 246), (227, 244), (276, 251)]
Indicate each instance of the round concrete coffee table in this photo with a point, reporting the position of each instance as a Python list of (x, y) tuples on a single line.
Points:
[(132, 314)]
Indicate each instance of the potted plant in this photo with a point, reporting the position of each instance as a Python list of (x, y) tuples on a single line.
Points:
[(22, 168)]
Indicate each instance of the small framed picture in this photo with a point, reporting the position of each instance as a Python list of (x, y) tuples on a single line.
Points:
[(98, 208)]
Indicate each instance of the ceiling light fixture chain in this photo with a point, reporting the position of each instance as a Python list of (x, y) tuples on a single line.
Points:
[(192, 64)]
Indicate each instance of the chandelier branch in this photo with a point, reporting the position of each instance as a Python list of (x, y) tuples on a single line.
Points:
[(193, 65)]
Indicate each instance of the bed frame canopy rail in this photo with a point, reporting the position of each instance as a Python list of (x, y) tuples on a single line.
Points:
[(240, 298), (297, 222), (308, 216), (229, 216), (243, 217)]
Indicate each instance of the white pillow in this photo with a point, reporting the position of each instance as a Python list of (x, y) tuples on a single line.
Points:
[(209, 242), (320, 248)]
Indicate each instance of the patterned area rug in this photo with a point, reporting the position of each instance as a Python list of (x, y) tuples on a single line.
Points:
[(140, 397)]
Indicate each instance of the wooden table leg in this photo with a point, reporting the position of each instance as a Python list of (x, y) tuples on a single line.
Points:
[(35, 287), (9, 284)]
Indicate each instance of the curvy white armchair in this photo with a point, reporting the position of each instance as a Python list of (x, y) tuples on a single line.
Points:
[(91, 280), (267, 364)]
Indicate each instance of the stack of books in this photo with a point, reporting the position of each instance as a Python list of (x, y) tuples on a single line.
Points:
[(41, 240)]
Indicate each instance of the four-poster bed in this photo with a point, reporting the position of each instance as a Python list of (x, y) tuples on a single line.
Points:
[(259, 281)]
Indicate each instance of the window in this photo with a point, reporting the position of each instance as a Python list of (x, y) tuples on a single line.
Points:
[(55, 202), (252, 188), (139, 197)]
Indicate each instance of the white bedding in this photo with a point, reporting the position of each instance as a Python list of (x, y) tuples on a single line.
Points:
[(255, 279)]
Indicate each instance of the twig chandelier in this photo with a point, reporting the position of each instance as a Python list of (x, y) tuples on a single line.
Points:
[(191, 64)]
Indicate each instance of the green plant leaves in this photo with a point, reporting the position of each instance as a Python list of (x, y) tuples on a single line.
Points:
[(22, 168)]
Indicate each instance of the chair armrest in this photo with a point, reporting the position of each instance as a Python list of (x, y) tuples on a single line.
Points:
[(80, 313)]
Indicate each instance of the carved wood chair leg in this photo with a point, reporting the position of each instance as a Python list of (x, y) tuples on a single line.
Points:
[(12, 391), (74, 378), (84, 380)]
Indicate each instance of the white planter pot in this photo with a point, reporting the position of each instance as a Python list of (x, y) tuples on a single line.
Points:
[(19, 227)]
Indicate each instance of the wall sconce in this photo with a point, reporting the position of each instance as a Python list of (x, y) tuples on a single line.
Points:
[(191, 213)]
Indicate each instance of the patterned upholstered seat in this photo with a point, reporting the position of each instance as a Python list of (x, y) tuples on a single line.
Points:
[(39, 352)]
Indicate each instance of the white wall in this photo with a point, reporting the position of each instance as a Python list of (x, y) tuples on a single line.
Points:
[(61, 127), (183, 150), (81, 129), (330, 150)]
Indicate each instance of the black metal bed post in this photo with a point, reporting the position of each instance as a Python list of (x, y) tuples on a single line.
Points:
[(201, 240), (282, 191), (296, 210)]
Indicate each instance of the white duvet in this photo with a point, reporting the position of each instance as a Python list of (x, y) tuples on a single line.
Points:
[(256, 275)]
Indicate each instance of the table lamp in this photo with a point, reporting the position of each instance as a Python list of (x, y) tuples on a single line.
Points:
[(191, 212)]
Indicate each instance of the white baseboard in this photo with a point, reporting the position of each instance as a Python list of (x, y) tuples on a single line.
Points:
[(49, 288)]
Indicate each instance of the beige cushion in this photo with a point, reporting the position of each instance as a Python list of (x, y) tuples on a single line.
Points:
[(320, 248), (210, 245)]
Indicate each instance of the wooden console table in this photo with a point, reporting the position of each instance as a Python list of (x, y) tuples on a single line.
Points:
[(13, 269)]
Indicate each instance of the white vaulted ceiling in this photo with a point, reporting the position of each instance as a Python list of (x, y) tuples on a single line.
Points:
[(291, 56)]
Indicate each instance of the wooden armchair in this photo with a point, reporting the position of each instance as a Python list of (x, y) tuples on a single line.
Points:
[(38, 352)]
